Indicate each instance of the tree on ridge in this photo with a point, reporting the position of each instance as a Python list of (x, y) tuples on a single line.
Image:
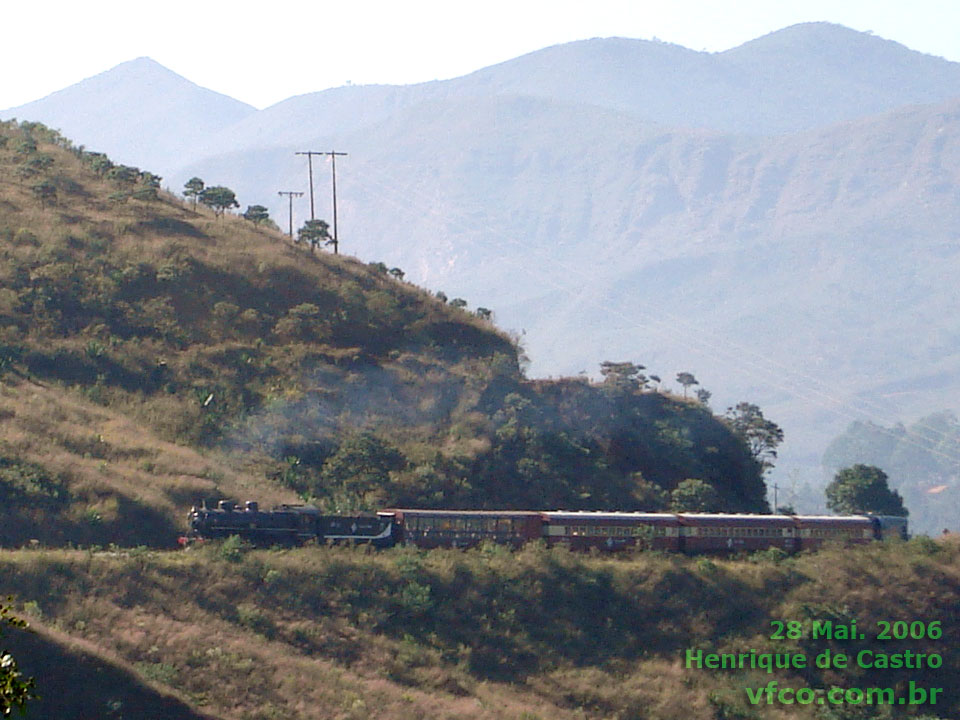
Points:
[(863, 489)]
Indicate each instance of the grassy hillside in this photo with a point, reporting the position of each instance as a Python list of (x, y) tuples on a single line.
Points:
[(132, 329), (154, 353), (348, 633)]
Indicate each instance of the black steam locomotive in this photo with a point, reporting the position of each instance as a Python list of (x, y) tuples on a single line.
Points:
[(677, 532), (286, 524)]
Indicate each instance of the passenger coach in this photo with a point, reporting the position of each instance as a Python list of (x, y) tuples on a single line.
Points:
[(464, 528), (612, 530), (731, 533), (815, 530)]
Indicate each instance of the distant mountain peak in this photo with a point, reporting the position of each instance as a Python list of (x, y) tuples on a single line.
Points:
[(814, 37), (145, 61), (142, 68), (154, 113)]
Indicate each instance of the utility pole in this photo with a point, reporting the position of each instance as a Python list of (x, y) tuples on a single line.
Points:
[(290, 194), (333, 160), (775, 488), (333, 163), (310, 154)]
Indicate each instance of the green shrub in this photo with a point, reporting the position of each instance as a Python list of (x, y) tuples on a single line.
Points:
[(232, 549)]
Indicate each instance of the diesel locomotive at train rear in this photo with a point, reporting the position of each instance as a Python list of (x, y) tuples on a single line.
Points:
[(606, 531)]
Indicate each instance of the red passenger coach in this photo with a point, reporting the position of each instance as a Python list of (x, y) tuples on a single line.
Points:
[(465, 528), (732, 533), (612, 530), (815, 530)]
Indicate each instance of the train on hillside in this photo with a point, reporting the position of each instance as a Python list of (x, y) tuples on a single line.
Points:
[(605, 531)]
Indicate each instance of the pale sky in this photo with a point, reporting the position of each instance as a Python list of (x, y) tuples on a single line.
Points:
[(266, 52)]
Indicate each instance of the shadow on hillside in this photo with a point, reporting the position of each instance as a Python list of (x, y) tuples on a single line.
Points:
[(134, 524), (172, 226), (74, 683)]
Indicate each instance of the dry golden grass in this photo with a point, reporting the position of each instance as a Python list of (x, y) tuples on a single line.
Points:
[(310, 632), (232, 671), (106, 456)]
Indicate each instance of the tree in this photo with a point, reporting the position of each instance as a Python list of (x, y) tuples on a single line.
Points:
[(125, 176), (397, 273), (25, 172), (362, 464), (863, 489), (762, 436), (256, 214), (26, 146), (302, 322), (484, 313), (147, 194), (192, 190), (39, 162), (315, 232), (704, 395), (219, 199), (687, 380), (693, 495), (649, 496), (15, 689), (623, 375), (45, 192), (100, 163)]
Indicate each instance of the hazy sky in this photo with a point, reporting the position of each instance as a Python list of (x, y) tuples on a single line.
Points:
[(265, 52)]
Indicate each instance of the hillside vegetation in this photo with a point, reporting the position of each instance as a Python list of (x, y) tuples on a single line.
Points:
[(348, 633), (780, 217), (155, 353)]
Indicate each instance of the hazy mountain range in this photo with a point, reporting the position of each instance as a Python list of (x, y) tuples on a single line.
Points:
[(782, 219)]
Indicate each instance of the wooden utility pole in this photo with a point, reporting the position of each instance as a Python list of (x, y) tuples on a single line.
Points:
[(333, 160), (333, 163), (290, 194), (310, 154)]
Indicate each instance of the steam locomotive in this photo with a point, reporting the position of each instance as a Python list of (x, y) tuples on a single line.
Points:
[(606, 531)]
